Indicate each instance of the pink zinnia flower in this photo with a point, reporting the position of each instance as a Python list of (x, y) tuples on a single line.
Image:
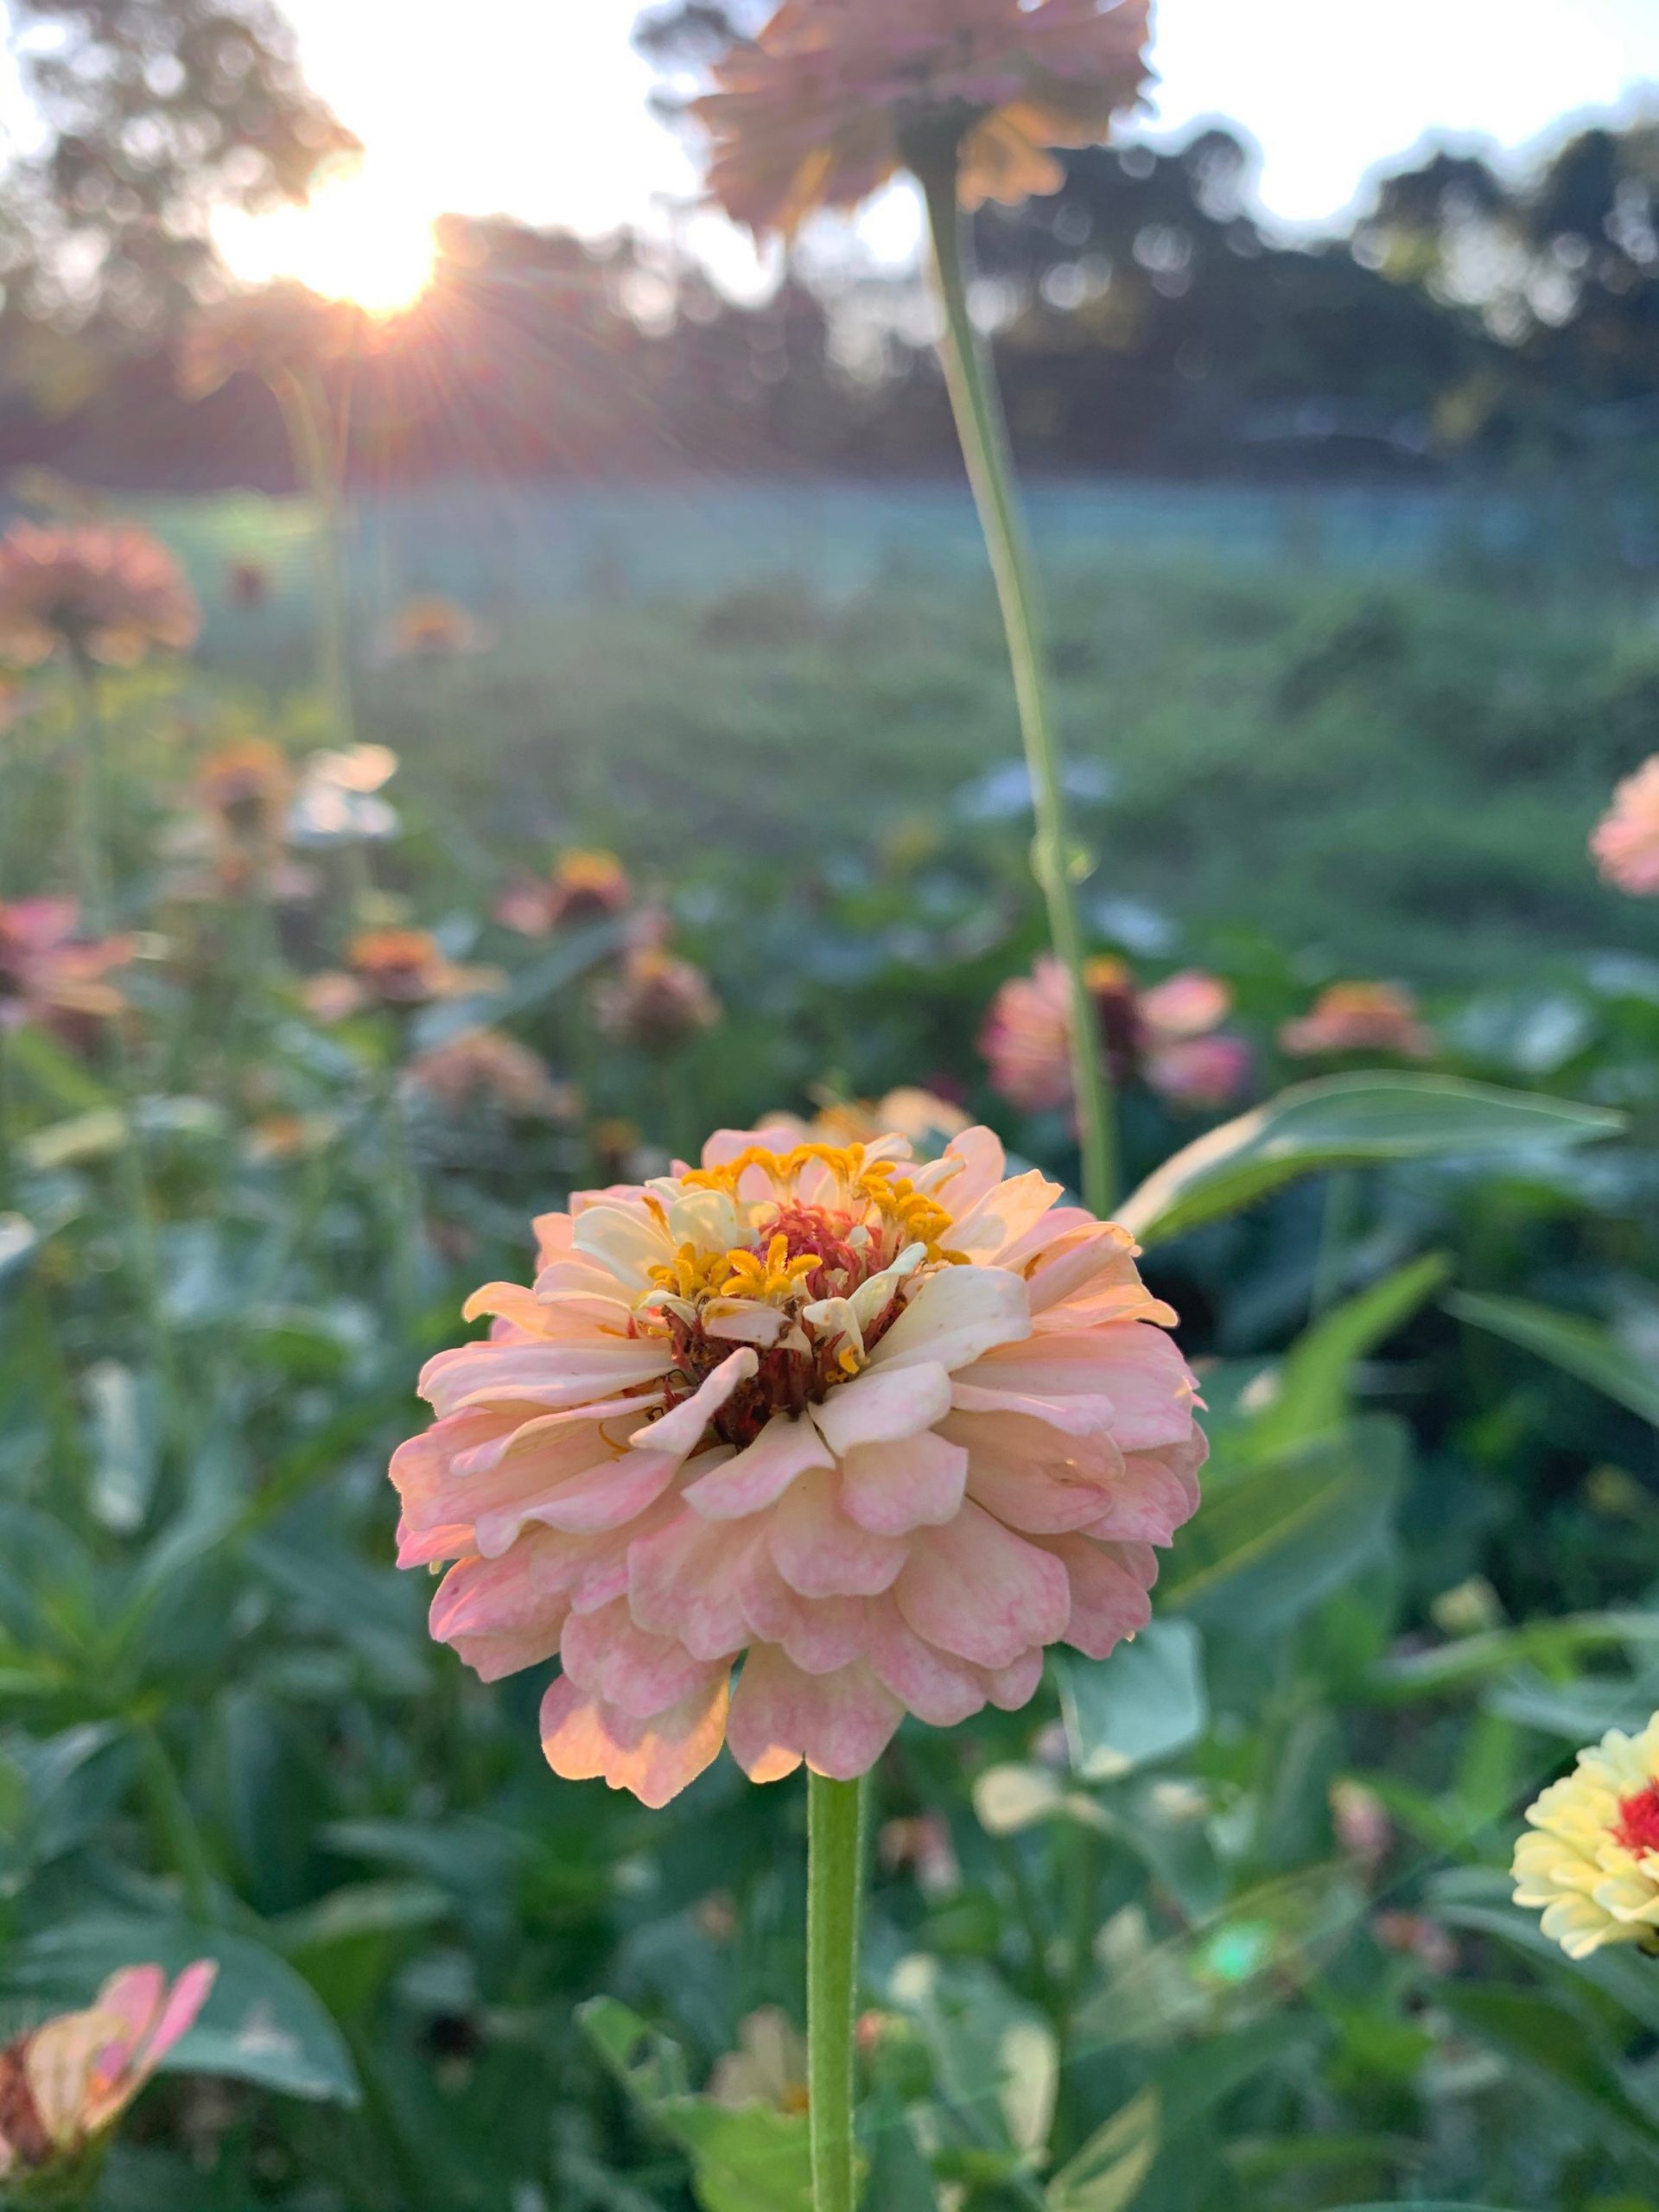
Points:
[(103, 593), (877, 1433), (64, 2085), (47, 976), (1626, 842), (584, 886), (1163, 1034), (835, 96), (1360, 1018)]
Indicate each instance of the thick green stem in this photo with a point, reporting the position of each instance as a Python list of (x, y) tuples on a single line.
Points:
[(835, 1883), (982, 429)]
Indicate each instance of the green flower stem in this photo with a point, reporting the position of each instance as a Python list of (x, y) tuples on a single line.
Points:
[(982, 427), (835, 1883), (93, 895)]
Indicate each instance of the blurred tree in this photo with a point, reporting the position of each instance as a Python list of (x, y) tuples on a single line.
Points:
[(150, 113)]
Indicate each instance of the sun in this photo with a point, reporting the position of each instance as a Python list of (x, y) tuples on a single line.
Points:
[(358, 239)]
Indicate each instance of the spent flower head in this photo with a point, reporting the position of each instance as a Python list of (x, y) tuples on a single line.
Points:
[(104, 591), (874, 1433), (833, 97), (64, 2085), (1589, 1855), (584, 885)]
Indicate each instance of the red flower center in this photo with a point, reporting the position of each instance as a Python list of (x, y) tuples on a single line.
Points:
[(1637, 1825)]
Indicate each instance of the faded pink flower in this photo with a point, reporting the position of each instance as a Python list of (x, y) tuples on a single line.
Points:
[(1162, 1034), (394, 967), (430, 628), (1360, 1018), (877, 1433), (583, 887), (655, 999), (488, 1064), (47, 976), (1626, 842), (278, 332), (64, 2085), (104, 593), (833, 97)]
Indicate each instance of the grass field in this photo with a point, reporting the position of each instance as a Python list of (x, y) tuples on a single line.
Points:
[(1330, 718)]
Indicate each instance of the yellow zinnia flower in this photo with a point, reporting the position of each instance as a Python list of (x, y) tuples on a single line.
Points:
[(1591, 1856)]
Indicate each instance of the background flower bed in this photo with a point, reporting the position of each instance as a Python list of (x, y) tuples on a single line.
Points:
[(1212, 1918)]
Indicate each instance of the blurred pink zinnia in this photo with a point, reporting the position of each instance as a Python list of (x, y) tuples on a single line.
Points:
[(1360, 1018), (103, 593), (880, 1432), (1626, 842), (46, 975), (1166, 1034), (64, 2084), (832, 97)]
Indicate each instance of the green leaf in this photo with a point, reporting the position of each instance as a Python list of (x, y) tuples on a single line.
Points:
[(1478, 1898), (1473, 1659), (263, 2022), (1350, 1121), (1278, 1539), (1107, 2173), (1145, 1702), (1553, 2044), (744, 2159), (1582, 1348), (1312, 1393)]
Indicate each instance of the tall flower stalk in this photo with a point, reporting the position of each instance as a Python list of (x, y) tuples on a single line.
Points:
[(977, 403), (315, 445), (834, 1904)]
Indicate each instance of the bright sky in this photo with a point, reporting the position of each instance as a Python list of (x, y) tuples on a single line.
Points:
[(538, 109)]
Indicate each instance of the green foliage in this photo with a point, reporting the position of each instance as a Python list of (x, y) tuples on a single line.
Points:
[(1215, 1921)]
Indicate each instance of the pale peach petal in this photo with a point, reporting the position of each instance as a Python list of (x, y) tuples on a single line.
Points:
[(882, 1407), (819, 1634), (840, 1724), (1040, 1497), (759, 1476), (891, 1489), (608, 1495), (1136, 1367), (820, 1553), (955, 1317), (976, 1589), (655, 1758), (549, 1375), (1012, 1687), (1003, 1217)]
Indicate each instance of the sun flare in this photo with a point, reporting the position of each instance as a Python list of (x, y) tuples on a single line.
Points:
[(358, 239)]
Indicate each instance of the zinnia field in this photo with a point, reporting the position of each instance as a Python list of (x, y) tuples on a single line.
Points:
[(829, 1357)]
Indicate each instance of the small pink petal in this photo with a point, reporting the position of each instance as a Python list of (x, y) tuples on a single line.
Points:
[(760, 1475), (891, 1489), (840, 1724), (685, 1580), (1108, 1601), (820, 1554), (978, 1590), (605, 1656), (935, 1685)]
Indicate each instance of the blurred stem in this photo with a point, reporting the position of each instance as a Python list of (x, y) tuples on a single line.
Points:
[(305, 414), (143, 1252), (177, 1823), (1338, 1224), (91, 864), (835, 1883), (982, 429)]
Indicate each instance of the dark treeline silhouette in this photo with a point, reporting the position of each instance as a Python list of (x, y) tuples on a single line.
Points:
[(1142, 316)]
